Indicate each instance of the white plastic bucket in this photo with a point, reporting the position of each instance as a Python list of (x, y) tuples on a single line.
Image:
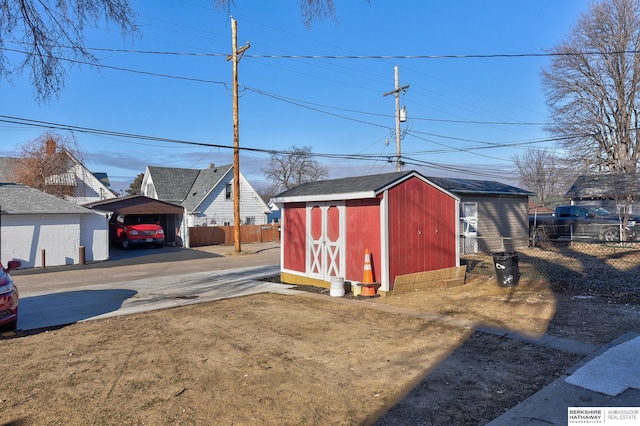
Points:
[(337, 287)]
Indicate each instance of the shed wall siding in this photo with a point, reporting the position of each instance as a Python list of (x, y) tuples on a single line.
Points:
[(363, 232), (422, 229), (501, 216), (294, 237)]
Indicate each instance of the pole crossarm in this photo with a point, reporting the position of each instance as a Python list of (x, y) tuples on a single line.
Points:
[(240, 53), (396, 91)]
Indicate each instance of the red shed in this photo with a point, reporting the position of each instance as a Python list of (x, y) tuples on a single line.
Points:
[(407, 223)]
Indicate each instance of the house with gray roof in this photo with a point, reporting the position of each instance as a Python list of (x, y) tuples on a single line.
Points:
[(42, 230), (206, 195), (605, 190)]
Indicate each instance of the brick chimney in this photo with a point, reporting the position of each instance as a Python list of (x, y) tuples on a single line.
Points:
[(50, 147)]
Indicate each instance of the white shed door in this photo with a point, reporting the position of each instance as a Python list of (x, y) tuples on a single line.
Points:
[(325, 240)]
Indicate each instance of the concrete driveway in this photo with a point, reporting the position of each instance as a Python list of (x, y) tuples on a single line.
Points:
[(143, 280)]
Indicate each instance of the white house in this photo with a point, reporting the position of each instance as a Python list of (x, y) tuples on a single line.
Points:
[(76, 183), (38, 228), (206, 195)]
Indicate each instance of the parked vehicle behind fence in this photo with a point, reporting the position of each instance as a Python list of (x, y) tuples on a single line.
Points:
[(582, 222)]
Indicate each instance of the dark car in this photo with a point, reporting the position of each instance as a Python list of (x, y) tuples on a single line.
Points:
[(8, 297)]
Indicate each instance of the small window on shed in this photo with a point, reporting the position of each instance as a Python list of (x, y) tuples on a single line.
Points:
[(228, 191)]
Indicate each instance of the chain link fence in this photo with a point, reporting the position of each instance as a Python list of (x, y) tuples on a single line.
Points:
[(589, 265)]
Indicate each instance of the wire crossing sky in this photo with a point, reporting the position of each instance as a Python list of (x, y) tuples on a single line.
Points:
[(164, 99)]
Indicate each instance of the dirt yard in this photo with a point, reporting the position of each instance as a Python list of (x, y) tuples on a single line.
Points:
[(307, 359)]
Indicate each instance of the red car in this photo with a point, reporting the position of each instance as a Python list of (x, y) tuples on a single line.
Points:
[(8, 297), (136, 230)]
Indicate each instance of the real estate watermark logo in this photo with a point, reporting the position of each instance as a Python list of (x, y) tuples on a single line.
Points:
[(615, 416)]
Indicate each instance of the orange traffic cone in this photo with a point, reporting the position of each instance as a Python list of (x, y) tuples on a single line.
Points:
[(368, 286), (368, 273)]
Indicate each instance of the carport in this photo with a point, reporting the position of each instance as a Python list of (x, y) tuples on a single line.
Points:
[(169, 215)]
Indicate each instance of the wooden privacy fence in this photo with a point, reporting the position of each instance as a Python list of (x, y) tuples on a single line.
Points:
[(212, 235)]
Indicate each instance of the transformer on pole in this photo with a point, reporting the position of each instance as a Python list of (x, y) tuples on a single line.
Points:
[(401, 115)]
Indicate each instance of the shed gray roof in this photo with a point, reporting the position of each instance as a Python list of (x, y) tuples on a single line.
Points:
[(603, 186), (478, 187), (374, 184), (351, 185), (20, 199)]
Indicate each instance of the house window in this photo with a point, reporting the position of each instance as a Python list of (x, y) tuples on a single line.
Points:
[(250, 220), (226, 224), (228, 191)]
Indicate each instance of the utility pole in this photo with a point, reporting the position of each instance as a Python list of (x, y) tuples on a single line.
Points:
[(396, 92), (235, 57)]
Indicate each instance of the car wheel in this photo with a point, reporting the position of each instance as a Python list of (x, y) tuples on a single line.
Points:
[(12, 325), (611, 235), (125, 244)]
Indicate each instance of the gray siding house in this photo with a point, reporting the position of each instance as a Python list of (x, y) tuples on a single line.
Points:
[(493, 216)]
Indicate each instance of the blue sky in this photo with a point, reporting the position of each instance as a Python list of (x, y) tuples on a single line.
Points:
[(467, 116)]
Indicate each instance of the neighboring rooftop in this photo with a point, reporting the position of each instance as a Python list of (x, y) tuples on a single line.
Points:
[(20, 199), (602, 186)]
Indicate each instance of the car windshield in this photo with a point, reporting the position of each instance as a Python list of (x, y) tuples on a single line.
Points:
[(137, 220)]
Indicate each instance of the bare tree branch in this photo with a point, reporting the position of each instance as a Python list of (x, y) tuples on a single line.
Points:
[(594, 98), (292, 168), (49, 32)]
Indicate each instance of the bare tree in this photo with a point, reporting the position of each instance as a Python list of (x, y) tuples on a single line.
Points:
[(48, 35), (539, 171), (292, 168), (592, 87), (44, 164), (311, 10)]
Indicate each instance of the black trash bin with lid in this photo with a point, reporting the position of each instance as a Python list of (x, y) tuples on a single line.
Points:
[(507, 272)]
